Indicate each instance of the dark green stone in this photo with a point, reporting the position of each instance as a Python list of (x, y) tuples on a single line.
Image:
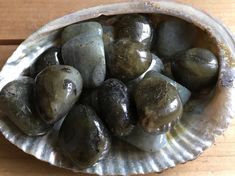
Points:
[(116, 110), (128, 59), (51, 56), (135, 27), (83, 138), (196, 68), (156, 65), (57, 90), (17, 102), (158, 104), (174, 36)]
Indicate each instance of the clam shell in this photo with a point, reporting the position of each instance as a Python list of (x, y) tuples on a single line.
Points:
[(195, 132)]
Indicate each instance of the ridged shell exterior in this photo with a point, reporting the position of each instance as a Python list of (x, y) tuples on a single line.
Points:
[(196, 130)]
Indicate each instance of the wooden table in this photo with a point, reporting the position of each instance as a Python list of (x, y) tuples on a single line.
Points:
[(20, 18)]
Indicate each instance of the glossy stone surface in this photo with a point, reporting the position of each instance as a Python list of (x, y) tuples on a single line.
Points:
[(83, 137), (17, 102), (156, 65), (135, 27), (174, 36), (86, 53), (115, 107), (196, 68), (158, 104), (57, 89), (83, 28), (128, 60), (146, 141), (51, 56), (183, 92)]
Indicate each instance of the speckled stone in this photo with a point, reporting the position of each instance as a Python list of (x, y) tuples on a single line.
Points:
[(183, 92), (196, 69), (128, 59), (17, 102), (83, 137), (116, 110), (158, 104), (156, 65), (57, 89)]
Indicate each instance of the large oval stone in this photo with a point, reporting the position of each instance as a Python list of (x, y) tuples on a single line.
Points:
[(115, 107), (57, 90), (83, 137), (158, 104)]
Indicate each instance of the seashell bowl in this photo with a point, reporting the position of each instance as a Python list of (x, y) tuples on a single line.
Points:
[(203, 119)]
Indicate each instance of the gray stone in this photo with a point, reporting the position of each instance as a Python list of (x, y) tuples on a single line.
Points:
[(86, 53), (84, 28), (17, 102), (146, 141)]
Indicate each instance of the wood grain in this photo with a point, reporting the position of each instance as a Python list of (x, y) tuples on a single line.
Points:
[(19, 18)]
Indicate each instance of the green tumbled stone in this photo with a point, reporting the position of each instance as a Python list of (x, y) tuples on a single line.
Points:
[(128, 60), (18, 103), (158, 104), (196, 68), (83, 137), (57, 90)]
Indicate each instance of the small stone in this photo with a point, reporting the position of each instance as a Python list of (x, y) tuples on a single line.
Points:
[(135, 27), (57, 90), (156, 65), (86, 53), (196, 68), (128, 59), (174, 36), (17, 102), (115, 107), (83, 137), (158, 105), (146, 141)]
